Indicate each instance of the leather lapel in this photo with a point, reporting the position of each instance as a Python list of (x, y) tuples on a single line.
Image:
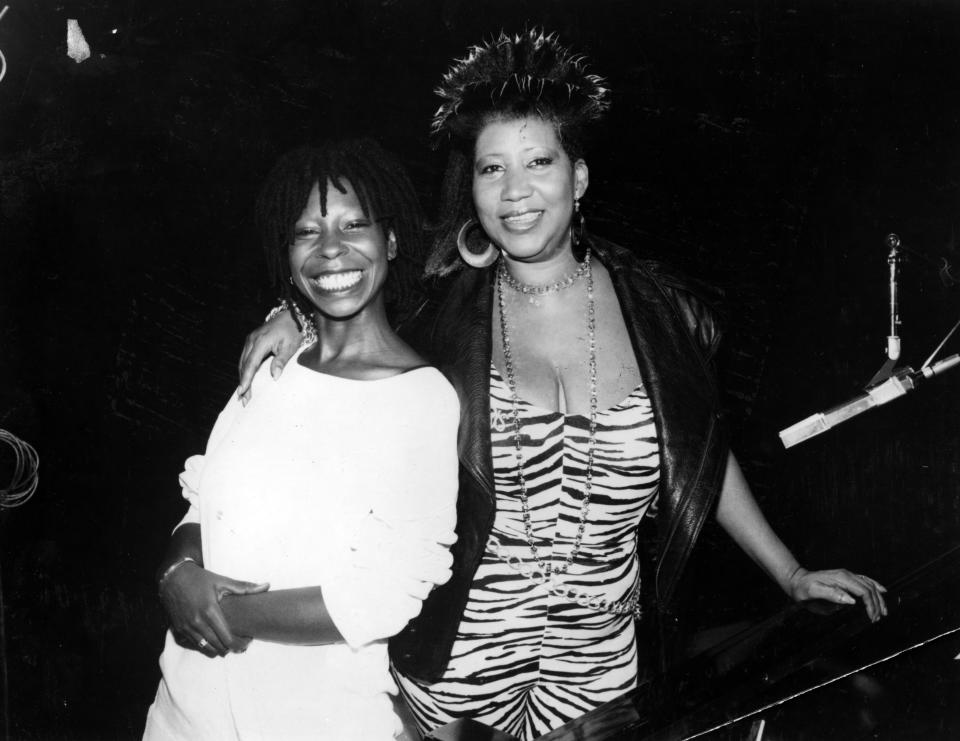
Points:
[(643, 312), (468, 354), (682, 397)]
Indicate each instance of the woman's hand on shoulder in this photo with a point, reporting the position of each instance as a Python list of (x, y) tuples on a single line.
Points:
[(279, 337), (191, 597), (840, 586)]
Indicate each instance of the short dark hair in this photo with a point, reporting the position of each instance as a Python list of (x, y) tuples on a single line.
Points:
[(382, 187)]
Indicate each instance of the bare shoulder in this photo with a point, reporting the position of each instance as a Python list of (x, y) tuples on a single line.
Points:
[(603, 288), (601, 276), (402, 358), (394, 359)]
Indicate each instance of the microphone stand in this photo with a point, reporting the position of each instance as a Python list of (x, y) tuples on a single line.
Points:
[(904, 380), (888, 383)]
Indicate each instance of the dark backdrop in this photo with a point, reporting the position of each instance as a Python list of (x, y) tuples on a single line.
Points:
[(765, 147)]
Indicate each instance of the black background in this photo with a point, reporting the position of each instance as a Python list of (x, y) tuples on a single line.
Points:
[(765, 147)]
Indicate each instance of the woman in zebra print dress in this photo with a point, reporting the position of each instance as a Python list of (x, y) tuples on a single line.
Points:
[(526, 661), (587, 403)]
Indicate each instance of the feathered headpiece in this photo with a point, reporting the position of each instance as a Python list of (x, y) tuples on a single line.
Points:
[(531, 65)]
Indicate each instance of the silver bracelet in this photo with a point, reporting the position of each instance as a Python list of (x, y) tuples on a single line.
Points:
[(171, 568), (308, 333), (278, 309)]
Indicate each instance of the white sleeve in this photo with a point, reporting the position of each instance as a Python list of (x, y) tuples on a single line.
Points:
[(193, 467), (395, 558)]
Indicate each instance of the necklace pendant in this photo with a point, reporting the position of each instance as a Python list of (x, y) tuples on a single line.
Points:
[(533, 300)]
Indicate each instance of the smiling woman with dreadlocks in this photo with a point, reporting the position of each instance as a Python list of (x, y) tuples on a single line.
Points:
[(336, 485), (587, 405)]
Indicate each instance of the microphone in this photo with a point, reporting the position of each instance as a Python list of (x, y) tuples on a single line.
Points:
[(892, 241), (894, 387), (893, 259)]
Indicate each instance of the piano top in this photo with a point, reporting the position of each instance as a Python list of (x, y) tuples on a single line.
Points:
[(811, 670)]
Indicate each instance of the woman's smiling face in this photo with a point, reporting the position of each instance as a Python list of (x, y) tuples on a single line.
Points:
[(524, 185), (338, 259)]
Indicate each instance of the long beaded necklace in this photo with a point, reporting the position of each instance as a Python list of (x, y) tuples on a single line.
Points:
[(546, 568)]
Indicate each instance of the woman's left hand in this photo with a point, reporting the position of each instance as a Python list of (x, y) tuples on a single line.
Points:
[(191, 596), (839, 585)]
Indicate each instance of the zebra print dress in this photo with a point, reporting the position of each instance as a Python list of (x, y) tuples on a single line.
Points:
[(526, 661)]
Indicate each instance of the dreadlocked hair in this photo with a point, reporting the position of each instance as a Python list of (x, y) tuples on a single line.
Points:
[(510, 77), (385, 194)]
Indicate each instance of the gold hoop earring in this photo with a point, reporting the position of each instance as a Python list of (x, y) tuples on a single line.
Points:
[(473, 259)]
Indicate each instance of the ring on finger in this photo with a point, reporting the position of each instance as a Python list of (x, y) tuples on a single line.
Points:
[(202, 643)]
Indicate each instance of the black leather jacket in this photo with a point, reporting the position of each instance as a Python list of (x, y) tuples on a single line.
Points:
[(674, 337)]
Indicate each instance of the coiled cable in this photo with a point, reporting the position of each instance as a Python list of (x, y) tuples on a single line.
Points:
[(25, 472), (3, 59)]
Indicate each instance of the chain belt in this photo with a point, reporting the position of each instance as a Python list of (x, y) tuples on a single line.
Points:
[(628, 606)]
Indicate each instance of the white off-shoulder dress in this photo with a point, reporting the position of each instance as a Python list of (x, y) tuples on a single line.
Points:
[(319, 481)]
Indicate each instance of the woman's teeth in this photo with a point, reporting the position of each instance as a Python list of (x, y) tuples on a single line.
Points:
[(337, 281), (524, 219)]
